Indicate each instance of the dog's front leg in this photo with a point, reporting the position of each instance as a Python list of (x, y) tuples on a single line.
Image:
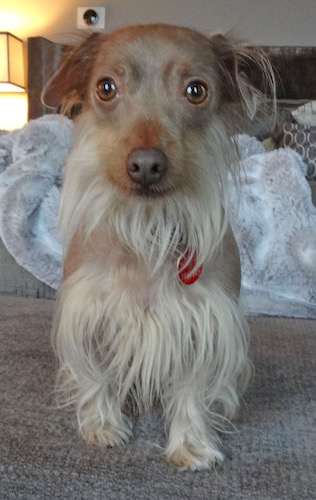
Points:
[(192, 443), (85, 378), (100, 419)]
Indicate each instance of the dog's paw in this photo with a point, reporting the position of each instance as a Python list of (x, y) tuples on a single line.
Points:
[(108, 435), (190, 457)]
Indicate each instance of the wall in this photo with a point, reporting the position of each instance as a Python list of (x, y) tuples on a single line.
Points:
[(268, 22)]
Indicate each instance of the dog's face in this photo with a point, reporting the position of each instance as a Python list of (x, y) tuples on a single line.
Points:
[(156, 92), (154, 97)]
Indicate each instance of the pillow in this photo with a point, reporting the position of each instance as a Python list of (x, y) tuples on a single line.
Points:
[(303, 140), (263, 124), (306, 114)]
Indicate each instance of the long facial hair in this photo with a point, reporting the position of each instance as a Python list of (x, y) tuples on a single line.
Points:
[(192, 219)]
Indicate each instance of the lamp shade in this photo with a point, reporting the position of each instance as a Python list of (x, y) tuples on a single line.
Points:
[(11, 63)]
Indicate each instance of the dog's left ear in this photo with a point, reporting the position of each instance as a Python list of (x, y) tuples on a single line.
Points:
[(68, 85), (233, 56)]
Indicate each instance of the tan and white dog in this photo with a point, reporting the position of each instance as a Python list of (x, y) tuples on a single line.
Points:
[(148, 308)]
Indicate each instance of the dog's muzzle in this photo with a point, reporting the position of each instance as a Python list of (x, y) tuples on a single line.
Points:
[(146, 167)]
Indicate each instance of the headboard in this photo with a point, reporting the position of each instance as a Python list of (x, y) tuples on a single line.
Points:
[(295, 69), (44, 57)]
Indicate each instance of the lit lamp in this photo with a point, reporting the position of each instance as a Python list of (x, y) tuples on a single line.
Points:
[(13, 98), (11, 63)]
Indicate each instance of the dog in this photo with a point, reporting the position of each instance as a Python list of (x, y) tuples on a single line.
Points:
[(148, 308)]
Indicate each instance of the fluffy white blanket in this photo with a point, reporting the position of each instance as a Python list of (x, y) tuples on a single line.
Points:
[(274, 220)]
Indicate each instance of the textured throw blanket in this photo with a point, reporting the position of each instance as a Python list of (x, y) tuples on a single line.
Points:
[(274, 221)]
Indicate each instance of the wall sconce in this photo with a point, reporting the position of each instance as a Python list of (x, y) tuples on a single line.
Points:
[(11, 63)]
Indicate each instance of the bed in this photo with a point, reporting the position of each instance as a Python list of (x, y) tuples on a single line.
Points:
[(273, 454), (27, 223)]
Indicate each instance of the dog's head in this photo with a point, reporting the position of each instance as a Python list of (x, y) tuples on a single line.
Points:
[(158, 100)]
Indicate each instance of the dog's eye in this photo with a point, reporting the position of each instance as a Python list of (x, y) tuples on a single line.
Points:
[(196, 92), (106, 89)]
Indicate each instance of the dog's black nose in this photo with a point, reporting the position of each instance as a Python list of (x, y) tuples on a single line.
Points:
[(147, 166)]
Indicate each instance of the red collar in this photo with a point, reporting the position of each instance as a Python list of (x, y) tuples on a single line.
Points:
[(186, 264)]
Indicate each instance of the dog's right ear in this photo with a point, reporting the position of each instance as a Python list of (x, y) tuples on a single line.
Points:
[(68, 85), (234, 57)]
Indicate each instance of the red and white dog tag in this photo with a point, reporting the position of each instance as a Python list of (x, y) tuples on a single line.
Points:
[(186, 264)]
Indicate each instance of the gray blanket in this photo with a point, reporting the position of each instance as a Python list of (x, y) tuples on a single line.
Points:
[(274, 222)]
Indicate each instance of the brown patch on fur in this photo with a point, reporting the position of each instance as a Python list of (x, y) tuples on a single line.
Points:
[(81, 250), (188, 457), (146, 134), (68, 85), (97, 250), (74, 257), (165, 32)]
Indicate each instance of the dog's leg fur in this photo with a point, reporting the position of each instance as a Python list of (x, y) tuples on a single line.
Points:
[(204, 398), (198, 407), (80, 311), (191, 444)]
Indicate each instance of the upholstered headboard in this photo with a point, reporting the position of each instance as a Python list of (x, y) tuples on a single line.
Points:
[(295, 69), (44, 58)]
